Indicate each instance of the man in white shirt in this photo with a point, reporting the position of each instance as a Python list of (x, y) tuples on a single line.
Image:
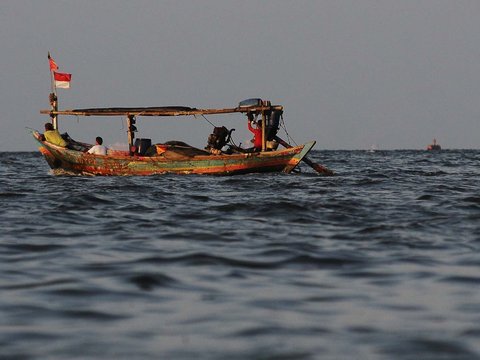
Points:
[(98, 149)]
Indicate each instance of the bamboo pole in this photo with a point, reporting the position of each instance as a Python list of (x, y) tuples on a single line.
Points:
[(53, 97), (263, 130), (157, 111), (131, 131)]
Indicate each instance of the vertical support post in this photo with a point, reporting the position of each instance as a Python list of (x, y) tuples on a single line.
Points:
[(54, 107), (131, 131), (53, 94), (263, 129)]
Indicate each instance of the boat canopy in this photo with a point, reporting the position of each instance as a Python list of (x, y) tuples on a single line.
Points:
[(161, 111)]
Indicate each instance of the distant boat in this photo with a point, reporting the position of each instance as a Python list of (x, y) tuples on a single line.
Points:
[(434, 146), (373, 148)]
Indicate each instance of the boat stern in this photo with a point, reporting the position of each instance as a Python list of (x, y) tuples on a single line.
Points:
[(292, 164)]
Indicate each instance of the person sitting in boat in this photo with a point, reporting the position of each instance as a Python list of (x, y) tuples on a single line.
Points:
[(98, 148), (53, 136), (257, 133)]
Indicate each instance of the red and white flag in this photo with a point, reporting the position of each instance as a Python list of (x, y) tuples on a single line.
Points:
[(62, 80), (53, 64)]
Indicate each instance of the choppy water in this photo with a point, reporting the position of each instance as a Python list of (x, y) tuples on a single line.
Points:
[(381, 261)]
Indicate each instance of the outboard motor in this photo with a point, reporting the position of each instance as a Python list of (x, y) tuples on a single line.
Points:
[(219, 138), (273, 124)]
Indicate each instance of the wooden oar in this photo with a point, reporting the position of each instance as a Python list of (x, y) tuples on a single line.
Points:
[(317, 167)]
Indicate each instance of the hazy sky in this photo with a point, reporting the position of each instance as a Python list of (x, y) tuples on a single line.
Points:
[(350, 73)]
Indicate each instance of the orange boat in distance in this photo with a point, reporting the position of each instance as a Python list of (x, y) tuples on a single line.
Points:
[(434, 146)]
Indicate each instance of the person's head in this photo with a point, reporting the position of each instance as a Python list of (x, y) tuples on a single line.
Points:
[(259, 123), (48, 126), (99, 140)]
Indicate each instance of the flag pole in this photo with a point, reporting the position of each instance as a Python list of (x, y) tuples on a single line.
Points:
[(53, 95)]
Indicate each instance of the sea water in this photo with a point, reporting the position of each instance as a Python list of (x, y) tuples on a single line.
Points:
[(381, 261)]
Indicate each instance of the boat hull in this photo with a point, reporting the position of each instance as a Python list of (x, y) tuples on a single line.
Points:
[(123, 165)]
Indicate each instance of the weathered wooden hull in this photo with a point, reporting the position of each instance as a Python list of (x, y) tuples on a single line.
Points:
[(81, 163)]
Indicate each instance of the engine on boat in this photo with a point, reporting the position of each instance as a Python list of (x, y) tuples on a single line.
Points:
[(219, 138)]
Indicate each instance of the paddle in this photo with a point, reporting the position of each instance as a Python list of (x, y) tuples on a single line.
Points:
[(317, 167)]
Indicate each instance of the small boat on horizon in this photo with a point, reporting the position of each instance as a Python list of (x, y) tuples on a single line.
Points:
[(373, 148), (434, 146)]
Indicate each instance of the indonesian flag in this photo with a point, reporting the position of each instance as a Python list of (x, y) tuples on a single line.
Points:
[(62, 80), (53, 64)]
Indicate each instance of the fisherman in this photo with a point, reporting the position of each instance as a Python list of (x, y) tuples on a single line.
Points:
[(53, 136), (98, 149), (257, 133)]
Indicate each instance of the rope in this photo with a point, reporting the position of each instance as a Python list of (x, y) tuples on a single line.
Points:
[(282, 125), (233, 142), (207, 120)]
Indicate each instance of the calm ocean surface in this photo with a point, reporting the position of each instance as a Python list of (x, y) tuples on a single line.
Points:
[(381, 261)]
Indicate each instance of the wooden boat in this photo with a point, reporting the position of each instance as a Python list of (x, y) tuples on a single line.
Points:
[(220, 157)]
